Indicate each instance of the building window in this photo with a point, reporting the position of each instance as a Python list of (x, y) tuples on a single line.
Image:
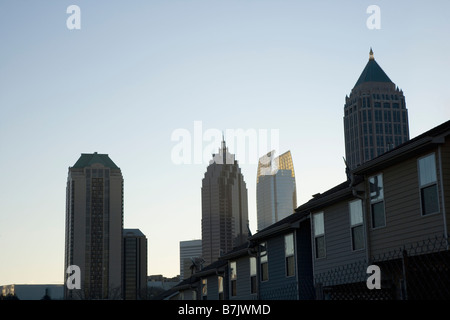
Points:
[(204, 289), (319, 234), (356, 224), (428, 185), (264, 262), (252, 275), (377, 201), (220, 287), (289, 254), (233, 278)]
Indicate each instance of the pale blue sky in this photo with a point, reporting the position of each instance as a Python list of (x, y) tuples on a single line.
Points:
[(138, 70)]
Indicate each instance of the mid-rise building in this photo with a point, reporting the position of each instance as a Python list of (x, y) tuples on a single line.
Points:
[(134, 265), (190, 252)]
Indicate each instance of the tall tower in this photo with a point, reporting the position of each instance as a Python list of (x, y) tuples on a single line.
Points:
[(94, 224), (224, 206), (376, 118), (276, 194)]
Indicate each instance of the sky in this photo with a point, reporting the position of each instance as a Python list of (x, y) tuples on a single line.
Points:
[(136, 74)]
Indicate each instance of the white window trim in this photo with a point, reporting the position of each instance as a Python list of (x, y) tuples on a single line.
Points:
[(267, 262), (356, 225), (231, 279), (321, 235), (428, 185), (293, 255)]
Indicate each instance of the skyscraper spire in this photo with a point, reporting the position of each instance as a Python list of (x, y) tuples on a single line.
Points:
[(223, 141), (375, 116)]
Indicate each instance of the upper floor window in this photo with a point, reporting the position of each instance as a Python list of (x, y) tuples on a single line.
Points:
[(252, 275), (264, 262), (289, 254), (233, 278), (220, 287), (319, 234), (428, 185), (204, 289), (377, 201), (356, 224)]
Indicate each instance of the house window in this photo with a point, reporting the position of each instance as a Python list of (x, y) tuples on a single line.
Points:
[(220, 287), (377, 201), (356, 224), (428, 185), (233, 278), (264, 263), (289, 254), (204, 289), (252, 275), (319, 234)]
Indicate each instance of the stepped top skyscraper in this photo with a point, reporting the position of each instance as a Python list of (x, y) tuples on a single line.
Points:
[(224, 206), (94, 224), (376, 118), (276, 194)]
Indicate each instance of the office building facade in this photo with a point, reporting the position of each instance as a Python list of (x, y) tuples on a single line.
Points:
[(134, 265), (94, 224), (190, 253), (276, 194)]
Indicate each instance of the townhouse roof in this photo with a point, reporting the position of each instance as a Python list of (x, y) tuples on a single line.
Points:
[(291, 221)]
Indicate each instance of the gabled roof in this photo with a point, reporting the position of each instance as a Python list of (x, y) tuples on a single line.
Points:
[(372, 72), (88, 159)]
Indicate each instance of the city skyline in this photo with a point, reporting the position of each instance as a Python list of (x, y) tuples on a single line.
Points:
[(133, 75)]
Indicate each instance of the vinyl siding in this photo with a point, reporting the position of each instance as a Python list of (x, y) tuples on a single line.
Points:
[(338, 243), (243, 279), (404, 222), (212, 288), (304, 261), (279, 286)]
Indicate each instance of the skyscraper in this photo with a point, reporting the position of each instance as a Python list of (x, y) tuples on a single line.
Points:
[(276, 194), (94, 222), (376, 118), (134, 265), (224, 206)]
